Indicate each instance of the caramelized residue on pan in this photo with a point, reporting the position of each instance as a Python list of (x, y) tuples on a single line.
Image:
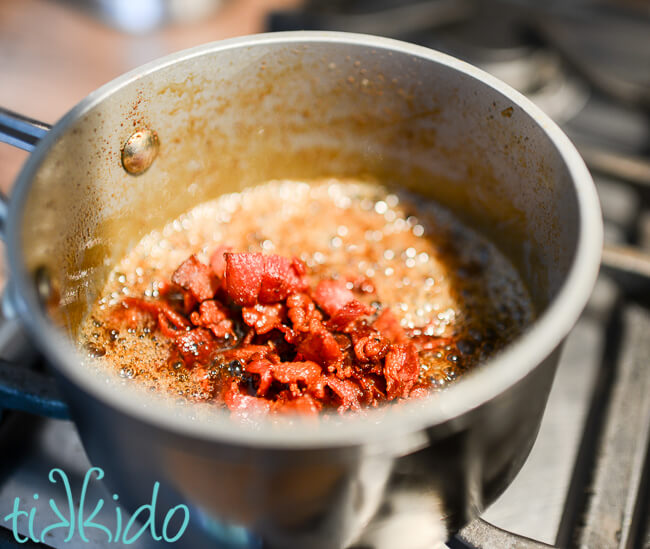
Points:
[(295, 296)]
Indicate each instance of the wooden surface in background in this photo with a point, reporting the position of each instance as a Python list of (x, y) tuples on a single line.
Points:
[(52, 56)]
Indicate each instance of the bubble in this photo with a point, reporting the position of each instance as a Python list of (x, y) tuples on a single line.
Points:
[(381, 207), (127, 373), (418, 230)]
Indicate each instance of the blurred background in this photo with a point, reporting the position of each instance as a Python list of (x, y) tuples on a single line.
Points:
[(585, 62)]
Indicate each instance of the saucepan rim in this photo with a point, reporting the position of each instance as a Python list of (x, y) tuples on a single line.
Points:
[(475, 389)]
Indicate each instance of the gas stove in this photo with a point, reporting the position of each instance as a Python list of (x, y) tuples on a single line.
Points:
[(585, 483)]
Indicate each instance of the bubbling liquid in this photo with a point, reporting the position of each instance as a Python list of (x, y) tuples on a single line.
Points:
[(439, 277)]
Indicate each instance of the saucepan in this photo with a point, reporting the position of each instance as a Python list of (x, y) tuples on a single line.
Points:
[(157, 141)]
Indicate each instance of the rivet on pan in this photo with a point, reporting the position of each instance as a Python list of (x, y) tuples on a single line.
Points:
[(43, 283), (139, 151)]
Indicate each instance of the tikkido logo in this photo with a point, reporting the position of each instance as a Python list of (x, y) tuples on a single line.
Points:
[(81, 522)]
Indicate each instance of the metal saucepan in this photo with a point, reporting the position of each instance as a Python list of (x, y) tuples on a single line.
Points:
[(299, 105)]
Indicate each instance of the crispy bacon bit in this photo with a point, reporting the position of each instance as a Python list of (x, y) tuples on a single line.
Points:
[(254, 277), (264, 369), (196, 346), (264, 318), (291, 373), (213, 316), (243, 405), (157, 308), (300, 350), (303, 405), (244, 277), (301, 311), (280, 279), (348, 392), (388, 325), (347, 314), (320, 346), (371, 348), (401, 370), (197, 278), (332, 295)]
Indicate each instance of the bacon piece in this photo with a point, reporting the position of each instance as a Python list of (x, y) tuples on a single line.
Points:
[(218, 261), (332, 295), (347, 314), (371, 348), (301, 311), (213, 316), (401, 370), (320, 346), (291, 373), (253, 277), (196, 346), (388, 325), (246, 353), (196, 278), (280, 279), (166, 327), (302, 405), (244, 405), (264, 318), (348, 392), (419, 392), (263, 368), (244, 277), (157, 308), (373, 387)]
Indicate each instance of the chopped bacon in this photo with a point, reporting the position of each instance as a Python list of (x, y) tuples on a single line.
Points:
[(218, 261), (280, 278), (196, 278), (244, 405), (246, 353), (371, 348), (254, 277), (291, 373), (264, 318), (401, 370), (301, 311), (263, 368), (244, 277), (348, 392), (332, 295), (320, 346), (303, 405), (157, 308), (300, 351), (373, 387), (388, 325), (196, 346), (347, 314), (418, 392), (213, 316)]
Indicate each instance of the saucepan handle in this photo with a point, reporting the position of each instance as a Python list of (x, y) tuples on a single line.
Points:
[(23, 386)]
